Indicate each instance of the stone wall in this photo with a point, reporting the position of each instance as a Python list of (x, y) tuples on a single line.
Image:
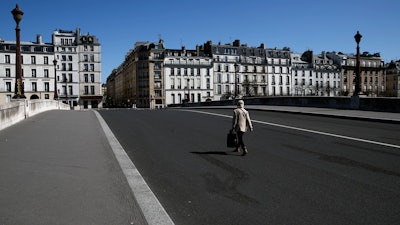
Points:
[(354, 103), (16, 111)]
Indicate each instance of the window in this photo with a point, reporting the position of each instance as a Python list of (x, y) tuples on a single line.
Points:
[(34, 86), (157, 74), (70, 77), (86, 78), (46, 60), (7, 59), (70, 90), (86, 90), (33, 59), (8, 72), (33, 72), (8, 98), (91, 67), (92, 78), (46, 73), (92, 90), (8, 86), (46, 86)]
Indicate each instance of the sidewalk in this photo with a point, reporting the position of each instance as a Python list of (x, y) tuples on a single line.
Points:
[(58, 168), (339, 113)]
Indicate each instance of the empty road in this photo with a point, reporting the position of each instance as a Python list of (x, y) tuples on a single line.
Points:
[(300, 169)]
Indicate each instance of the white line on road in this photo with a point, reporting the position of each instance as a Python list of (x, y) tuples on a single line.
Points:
[(152, 210), (306, 130)]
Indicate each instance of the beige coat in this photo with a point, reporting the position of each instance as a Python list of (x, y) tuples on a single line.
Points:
[(241, 120)]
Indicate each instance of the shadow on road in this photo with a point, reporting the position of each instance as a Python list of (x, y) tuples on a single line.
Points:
[(217, 153)]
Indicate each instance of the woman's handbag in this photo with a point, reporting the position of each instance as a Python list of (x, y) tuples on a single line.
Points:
[(231, 140)]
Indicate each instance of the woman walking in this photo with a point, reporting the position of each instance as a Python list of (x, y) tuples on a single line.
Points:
[(240, 122)]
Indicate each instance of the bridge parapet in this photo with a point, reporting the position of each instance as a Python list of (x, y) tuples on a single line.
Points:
[(18, 110), (351, 103)]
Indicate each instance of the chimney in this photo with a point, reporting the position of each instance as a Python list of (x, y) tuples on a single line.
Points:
[(39, 39), (236, 43)]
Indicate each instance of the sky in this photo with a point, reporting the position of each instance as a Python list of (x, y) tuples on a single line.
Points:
[(301, 25)]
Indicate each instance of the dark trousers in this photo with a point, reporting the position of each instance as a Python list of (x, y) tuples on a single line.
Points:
[(240, 142)]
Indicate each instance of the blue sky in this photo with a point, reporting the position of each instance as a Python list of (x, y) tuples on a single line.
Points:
[(301, 25)]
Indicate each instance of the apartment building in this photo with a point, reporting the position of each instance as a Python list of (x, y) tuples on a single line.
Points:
[(153, 77), (279, 72), (37, 70), (243, 71), (373, 78), (315, 74), (148, 74), (393, 79), (188, 76), (78, 68), (76, 76)]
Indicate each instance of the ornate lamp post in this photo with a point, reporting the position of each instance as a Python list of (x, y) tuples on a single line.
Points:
[(236, 80), (357, 89), (55, 79), (19, 89), (188, 84)]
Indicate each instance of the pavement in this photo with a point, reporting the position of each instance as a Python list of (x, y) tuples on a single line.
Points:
[(66, 167), (329, 112)]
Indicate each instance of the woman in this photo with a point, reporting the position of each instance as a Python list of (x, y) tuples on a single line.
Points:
[(240, 122)]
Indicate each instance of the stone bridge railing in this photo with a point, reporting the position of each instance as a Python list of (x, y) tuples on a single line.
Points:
[(15, 111), (351, 103)]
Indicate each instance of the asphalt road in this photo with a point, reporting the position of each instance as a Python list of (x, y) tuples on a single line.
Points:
[(299, 170)]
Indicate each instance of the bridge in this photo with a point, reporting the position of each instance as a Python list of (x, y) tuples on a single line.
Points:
[(124, 166)]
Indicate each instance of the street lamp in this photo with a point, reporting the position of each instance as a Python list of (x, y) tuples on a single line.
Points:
[(19, 89), (55, 79), (357, 89), (188, 84), (236, 80)]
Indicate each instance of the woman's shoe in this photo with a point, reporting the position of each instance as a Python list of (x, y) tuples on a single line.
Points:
[(236, 150), (245, 151)]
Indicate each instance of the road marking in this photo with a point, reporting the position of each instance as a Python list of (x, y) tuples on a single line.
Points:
[(152, 209), (306, 130)]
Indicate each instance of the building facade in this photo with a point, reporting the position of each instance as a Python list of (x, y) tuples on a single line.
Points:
[(153, 76), (188, 76), (373, 78), (78, 68), (75, 77), (315, 75), (37, 70), (393, 79), (279, 72)]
